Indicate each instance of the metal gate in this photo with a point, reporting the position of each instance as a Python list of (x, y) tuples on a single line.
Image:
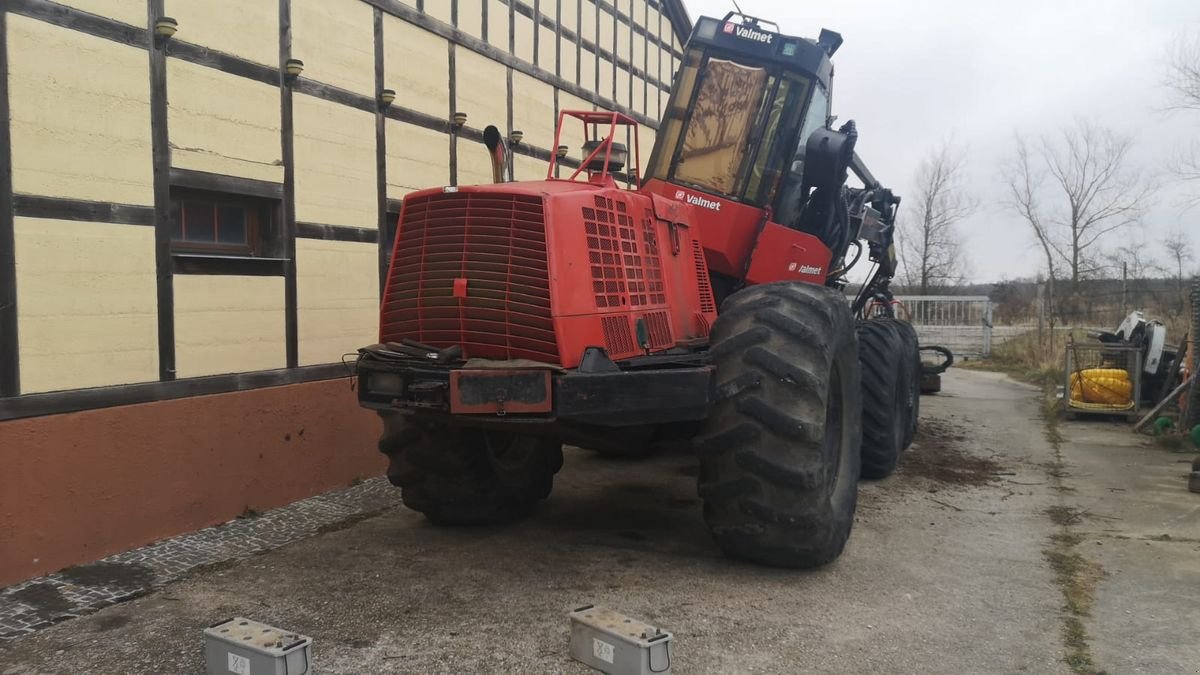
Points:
[(961, 323)]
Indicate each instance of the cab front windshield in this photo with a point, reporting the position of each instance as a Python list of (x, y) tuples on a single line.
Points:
[(727, 126)]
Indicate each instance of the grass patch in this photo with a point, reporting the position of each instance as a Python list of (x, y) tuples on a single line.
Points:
[(1076, 577)]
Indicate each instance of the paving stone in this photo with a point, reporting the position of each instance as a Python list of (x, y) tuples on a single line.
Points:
[(38, 603)]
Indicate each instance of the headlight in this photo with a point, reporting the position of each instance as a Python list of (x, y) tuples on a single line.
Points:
[(391, 384)]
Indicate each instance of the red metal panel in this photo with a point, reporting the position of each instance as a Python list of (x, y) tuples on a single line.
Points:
[(784, 254)]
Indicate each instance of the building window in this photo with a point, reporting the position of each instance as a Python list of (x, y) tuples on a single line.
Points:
[(222, 224)]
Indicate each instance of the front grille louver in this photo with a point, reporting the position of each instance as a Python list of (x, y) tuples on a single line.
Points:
[(497, 242)]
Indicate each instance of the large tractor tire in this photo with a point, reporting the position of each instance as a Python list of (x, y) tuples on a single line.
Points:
[(911, 375), (458, 476), (779, 456), (885, 415)]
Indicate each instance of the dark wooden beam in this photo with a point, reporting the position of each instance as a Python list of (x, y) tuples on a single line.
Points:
[(161, 161), (363, 235), (10, 353), (215, 182), (69, 17), (226, 63), (381, 148), (54, 403), (229, 265), (60, 208), (291, 329)]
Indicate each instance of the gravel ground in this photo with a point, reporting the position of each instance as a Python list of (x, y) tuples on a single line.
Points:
[(946, 572)]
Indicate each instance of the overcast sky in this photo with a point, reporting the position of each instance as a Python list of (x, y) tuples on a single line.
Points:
[(913, 72)]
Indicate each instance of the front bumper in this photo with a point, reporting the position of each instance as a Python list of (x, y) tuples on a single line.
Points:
[(620, 398)]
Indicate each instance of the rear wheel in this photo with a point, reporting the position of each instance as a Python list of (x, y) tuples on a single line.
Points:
[(458, 476), (911, 375), (885, 415), (779, 458)]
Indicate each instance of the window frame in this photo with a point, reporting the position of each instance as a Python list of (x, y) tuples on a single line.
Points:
[(263, 224)]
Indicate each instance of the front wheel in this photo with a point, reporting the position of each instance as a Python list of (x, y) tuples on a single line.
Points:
[(779, 456), (459, 476)]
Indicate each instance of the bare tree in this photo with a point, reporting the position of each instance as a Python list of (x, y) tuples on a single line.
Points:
[(1073, 191), (1183, 82), (1183, 71), (1023, 179), (1180, 255), (930, 243)]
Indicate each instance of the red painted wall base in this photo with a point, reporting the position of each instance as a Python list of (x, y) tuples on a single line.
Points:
[(81, 486)]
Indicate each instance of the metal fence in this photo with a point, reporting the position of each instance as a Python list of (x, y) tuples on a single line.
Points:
[(961, 323)]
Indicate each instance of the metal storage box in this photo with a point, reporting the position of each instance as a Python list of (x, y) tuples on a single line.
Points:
[(244, 647), (614, 643)]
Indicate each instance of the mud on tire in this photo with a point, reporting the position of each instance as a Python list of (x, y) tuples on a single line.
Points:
[(885, 415), (460, 476), (779, 456)]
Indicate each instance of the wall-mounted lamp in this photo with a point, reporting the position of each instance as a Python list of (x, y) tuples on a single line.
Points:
[(293, 68), (164, 28), (516, 136), (561, 151), (386, 96), (459, 119)]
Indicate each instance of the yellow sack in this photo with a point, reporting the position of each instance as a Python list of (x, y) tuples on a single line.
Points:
[(1101, 385)]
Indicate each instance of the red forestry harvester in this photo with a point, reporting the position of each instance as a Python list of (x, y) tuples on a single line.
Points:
[(707, 303)]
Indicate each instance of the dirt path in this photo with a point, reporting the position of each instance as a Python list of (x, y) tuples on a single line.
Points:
[(946, 572)]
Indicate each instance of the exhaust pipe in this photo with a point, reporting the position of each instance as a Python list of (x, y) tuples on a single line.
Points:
[(498, 151)]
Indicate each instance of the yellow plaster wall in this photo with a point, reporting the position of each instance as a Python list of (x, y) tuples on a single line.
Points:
[(570, 15), (416, 63), (497, 24), (528, 168), (606, 31), (335, 40), (605, 88), (228, 324), (533, 110), (80, 114), (482, 89), (86, 304), (587, 70), (587, 18), (209, 134), (639, 11), (572, 133), (652, 57), (624, 41), (474, 165), (337, 293), (440, 10), (335, 163), (546, 48), (639, 95), (523, 37), (470, 17), (417, 158), (623, 87), (131, 12), (568, 58), (245, 28)]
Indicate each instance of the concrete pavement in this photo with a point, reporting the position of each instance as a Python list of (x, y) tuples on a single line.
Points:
[(949, 570)]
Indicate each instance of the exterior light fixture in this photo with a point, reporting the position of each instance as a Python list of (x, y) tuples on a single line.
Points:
[(460, 119), (387, 96), (562, 151), (516, 136), (165, 27), (293, 68)]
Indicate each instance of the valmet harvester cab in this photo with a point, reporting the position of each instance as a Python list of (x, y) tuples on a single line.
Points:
[(611, 309)]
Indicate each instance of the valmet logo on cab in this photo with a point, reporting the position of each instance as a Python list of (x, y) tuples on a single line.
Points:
[(748, 33)]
